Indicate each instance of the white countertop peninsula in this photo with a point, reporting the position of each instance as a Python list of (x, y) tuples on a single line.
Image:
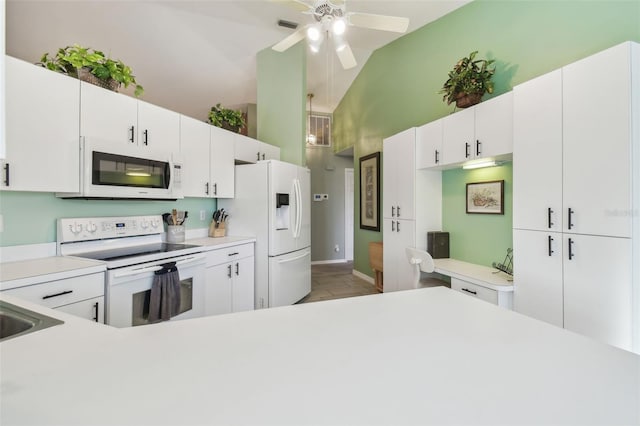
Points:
[(427, 356), (27, 272)]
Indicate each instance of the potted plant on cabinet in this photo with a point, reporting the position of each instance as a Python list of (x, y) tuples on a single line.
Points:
[(91, 66), (226, 118), (468, 81)]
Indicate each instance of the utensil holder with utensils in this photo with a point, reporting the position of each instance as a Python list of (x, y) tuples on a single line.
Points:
[(175, 233)]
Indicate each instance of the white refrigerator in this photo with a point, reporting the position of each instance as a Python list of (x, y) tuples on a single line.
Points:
[(272, 203)]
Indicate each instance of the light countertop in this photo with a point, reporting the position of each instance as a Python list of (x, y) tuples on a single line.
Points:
[(27, 272), (484, 276), (427, 356), (210, 243)]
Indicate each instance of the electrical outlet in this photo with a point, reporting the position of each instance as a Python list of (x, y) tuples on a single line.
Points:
[(336, 248), (202, 216), (317, 197)]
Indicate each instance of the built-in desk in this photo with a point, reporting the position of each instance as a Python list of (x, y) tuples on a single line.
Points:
[(479, 281)]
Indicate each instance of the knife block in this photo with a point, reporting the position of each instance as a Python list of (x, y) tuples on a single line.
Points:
[(217, 230)]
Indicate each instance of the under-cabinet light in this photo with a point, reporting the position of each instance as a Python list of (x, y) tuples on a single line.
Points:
[(481, 164)]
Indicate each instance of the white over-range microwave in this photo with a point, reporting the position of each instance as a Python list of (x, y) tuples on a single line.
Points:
[(116, 171)]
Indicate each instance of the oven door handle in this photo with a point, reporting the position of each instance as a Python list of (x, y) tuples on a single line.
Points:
[(153, 268)]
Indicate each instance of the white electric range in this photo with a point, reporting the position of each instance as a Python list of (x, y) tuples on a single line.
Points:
[(133, 249)]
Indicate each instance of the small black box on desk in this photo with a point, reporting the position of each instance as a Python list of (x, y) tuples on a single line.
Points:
[(438, 244)]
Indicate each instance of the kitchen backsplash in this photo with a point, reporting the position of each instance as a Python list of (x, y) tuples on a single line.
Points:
[(30, 217)]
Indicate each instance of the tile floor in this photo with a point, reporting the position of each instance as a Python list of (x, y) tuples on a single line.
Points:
[(335, 281)]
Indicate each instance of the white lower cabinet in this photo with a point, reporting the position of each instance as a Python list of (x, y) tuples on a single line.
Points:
[(76, 295), (565, 280), (398, 274), (230, 280), (538, 280), (91, 309), (598, 289)]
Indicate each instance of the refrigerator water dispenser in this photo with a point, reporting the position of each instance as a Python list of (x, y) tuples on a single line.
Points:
[(282, 211)]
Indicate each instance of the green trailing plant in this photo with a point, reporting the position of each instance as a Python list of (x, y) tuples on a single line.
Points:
[(468, 76), (220, 115), (70, 59)]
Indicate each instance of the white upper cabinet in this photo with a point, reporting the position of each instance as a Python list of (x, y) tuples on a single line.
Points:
[(458, 142), (207, 160), (249, 150), (399, 171), (537, 153), (494, 127), (194, 151), (429, 145), (43, 156), (108, 115), (482, 131), (222, 163), (158, 128), (115, 117), (596, 143)]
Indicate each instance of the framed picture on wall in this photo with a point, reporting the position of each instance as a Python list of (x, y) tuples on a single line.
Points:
[(485, 197), (370, 192)]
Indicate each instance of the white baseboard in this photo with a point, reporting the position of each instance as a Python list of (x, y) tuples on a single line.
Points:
[(326, 262), (365, 277)]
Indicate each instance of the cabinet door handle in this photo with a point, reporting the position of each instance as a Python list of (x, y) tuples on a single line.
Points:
[(571, 255), (206, 185), (393, 211), (57, 294), (398, 226), (469, 291), (263, 157), (6, 174), (95, 306), (569, 213), (549, 223), (258, 156), (466, 150), (229, 271), (398, 211), (233, 254), (550, 240), (132, 129), (437, 157), (146, 137), (237, 269), (478, 143), (393, 226), (215, 189)]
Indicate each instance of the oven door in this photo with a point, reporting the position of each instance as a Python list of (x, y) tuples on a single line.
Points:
[(129, 289)]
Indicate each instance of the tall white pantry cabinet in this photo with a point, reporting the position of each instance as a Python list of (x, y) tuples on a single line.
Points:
[(412, 205), (576, 197)]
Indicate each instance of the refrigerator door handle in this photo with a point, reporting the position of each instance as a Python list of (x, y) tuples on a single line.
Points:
[(299, 208)]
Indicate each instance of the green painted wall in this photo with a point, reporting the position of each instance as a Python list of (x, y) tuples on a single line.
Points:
[(282, 93), (397, 87), (30, 217), (477, 238)]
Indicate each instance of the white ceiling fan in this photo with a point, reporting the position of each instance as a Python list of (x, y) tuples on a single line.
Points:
[(332, 20)]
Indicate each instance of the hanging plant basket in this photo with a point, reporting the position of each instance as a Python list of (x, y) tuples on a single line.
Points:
[(465, 100), (84, 74)]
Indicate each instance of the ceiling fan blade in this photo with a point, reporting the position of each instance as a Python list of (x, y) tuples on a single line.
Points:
[(346, 56), (298, 5), (290, 40), (396, 24)]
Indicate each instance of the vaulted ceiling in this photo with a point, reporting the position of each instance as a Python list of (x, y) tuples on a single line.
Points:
[(190, 55)]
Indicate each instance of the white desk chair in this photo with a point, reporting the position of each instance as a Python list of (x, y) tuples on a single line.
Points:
[(422, 262)]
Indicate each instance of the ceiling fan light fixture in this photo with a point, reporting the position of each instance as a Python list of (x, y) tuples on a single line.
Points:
[(339, 26), (313, 33)]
